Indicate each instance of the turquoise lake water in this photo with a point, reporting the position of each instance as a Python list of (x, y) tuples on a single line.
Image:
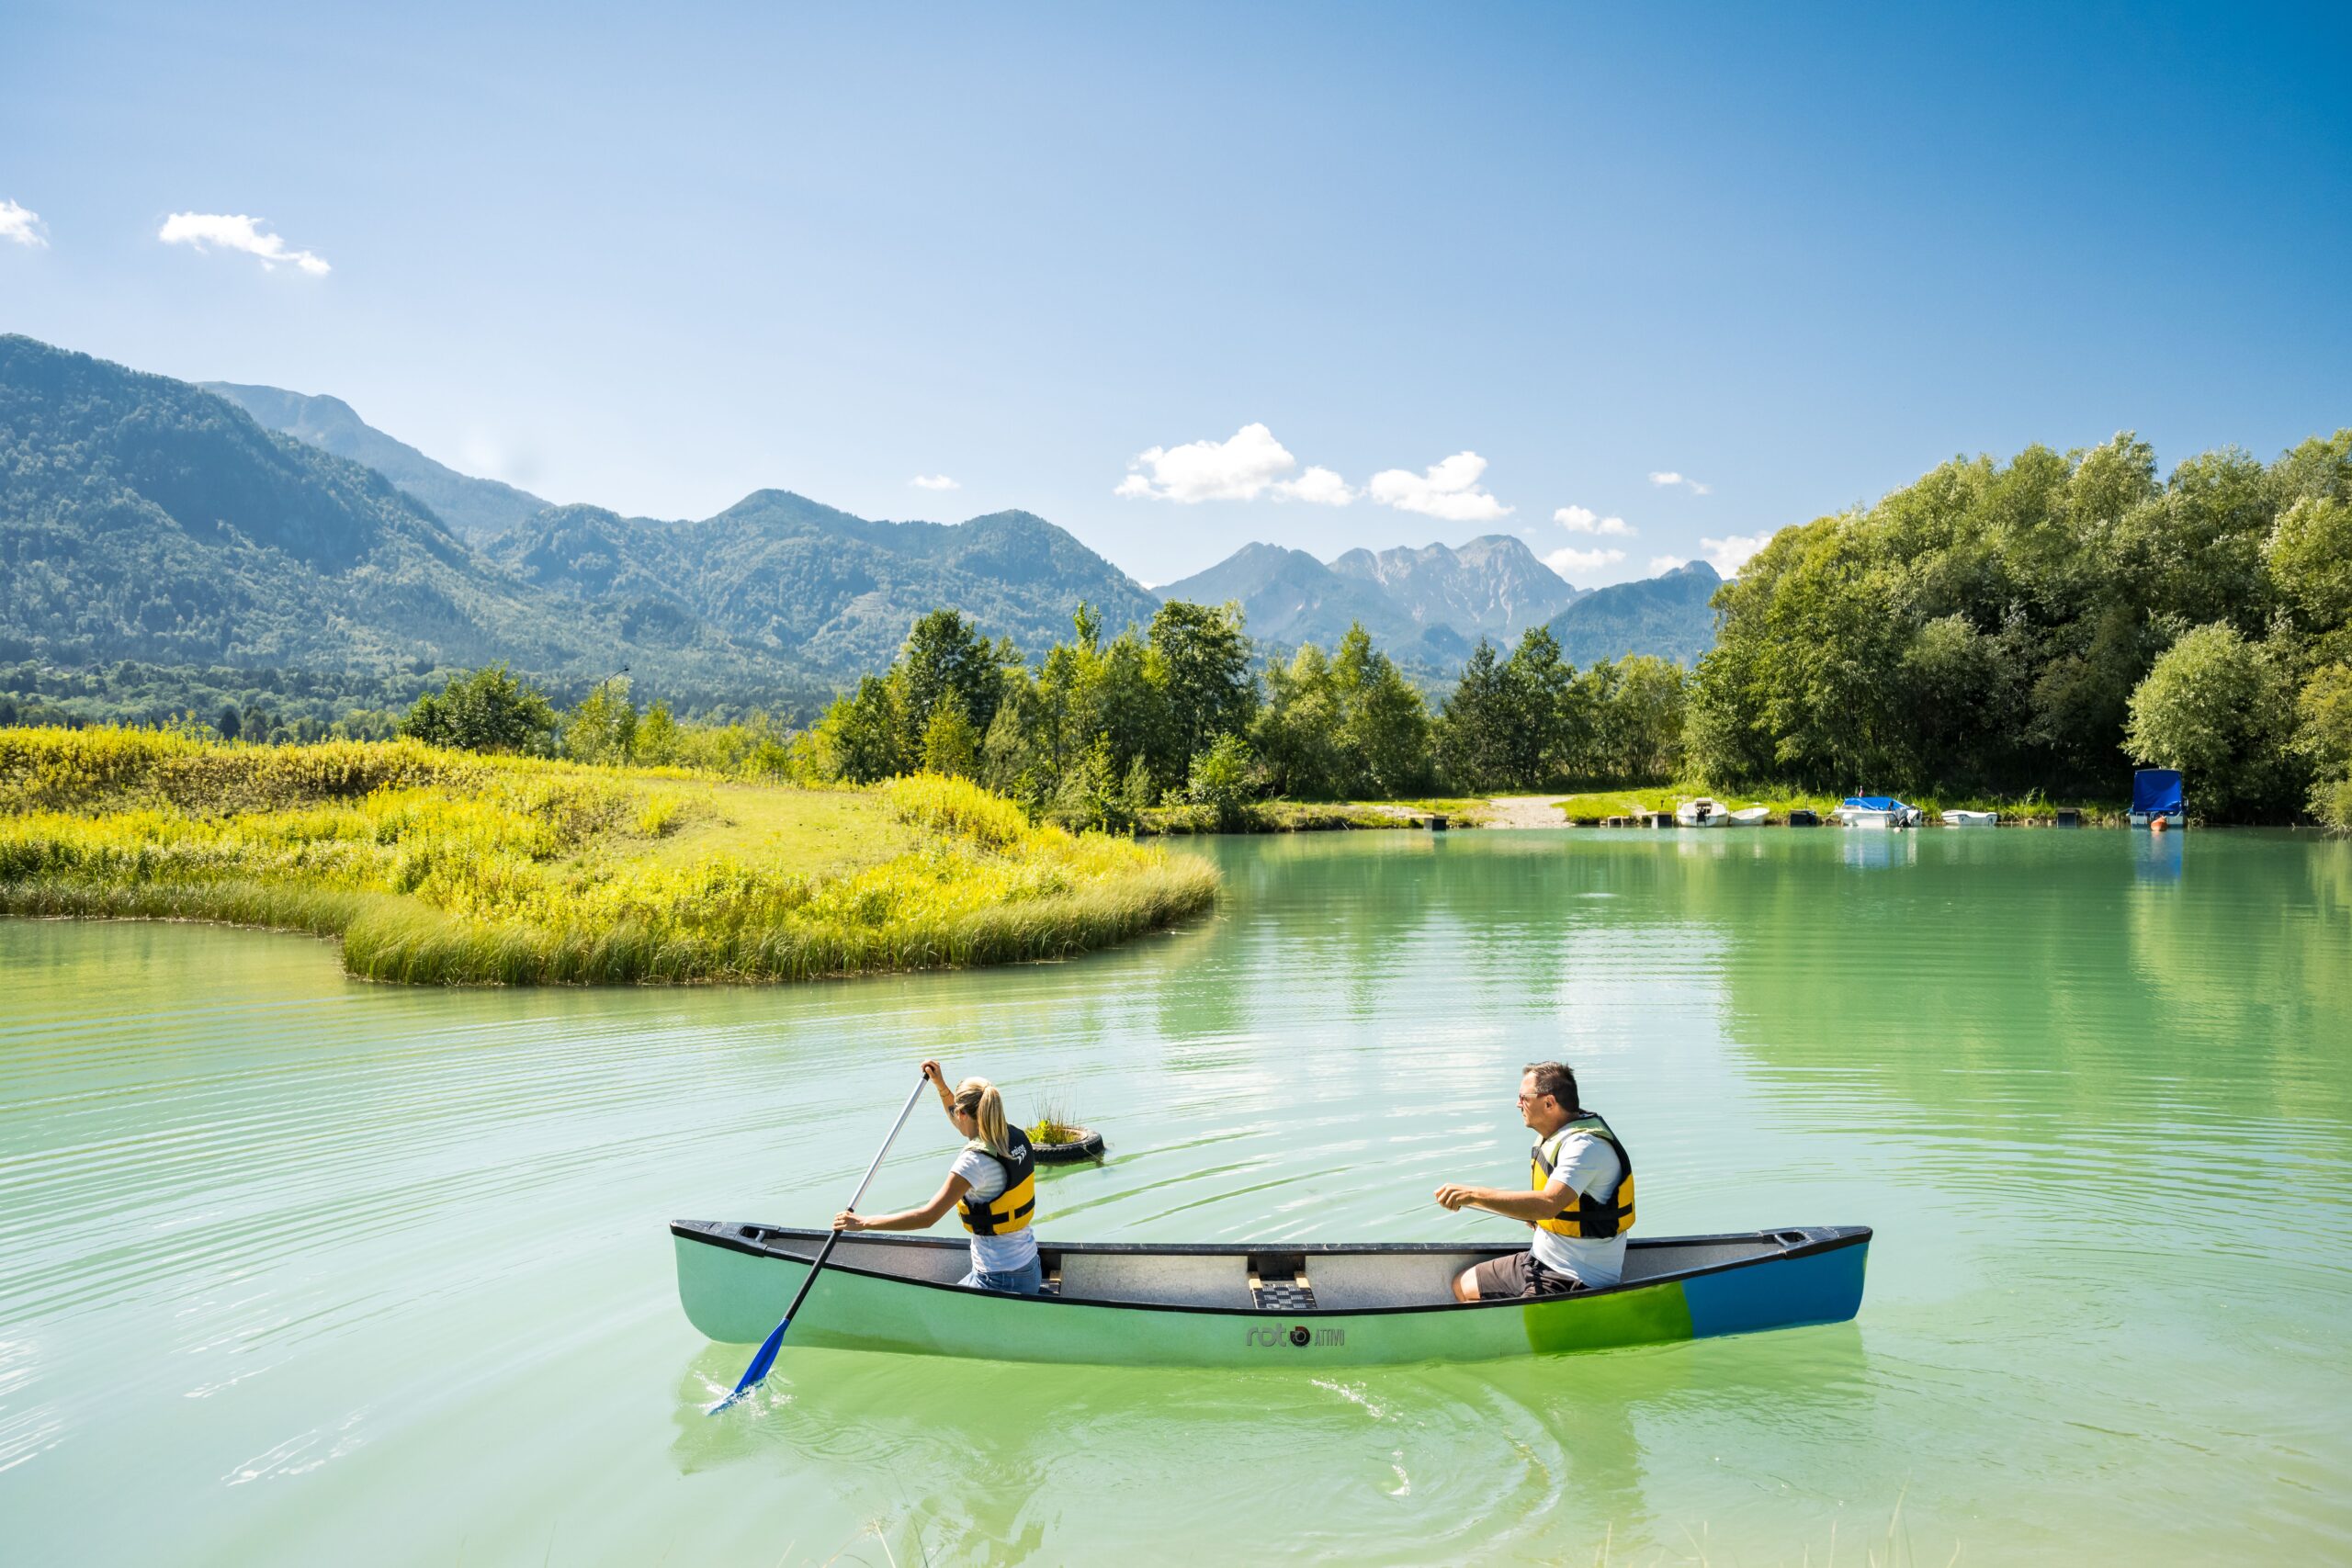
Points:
[(297, 1269)]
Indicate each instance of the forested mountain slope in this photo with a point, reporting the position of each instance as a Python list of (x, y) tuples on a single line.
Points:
[(144, 518), (839, 592), (475, 508), (1666, 616)]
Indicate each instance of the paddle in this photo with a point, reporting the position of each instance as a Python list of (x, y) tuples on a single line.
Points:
[(766, 1357)]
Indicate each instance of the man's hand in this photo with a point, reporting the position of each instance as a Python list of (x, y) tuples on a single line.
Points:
[(846, 1221), (1453, 1196)]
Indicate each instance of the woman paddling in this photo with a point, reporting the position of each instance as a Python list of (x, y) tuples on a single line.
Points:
[(992, 1185)]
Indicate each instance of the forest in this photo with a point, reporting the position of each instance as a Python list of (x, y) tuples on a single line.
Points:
[(2033, 628)]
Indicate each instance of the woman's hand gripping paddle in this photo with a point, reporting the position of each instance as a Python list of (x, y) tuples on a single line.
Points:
[(766, 1358)]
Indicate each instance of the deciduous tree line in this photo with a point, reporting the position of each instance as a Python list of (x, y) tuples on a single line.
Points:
[(2047, 623), (1101, 728)]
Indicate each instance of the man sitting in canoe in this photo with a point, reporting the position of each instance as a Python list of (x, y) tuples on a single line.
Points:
[(992, 1185), (1579, 1198)]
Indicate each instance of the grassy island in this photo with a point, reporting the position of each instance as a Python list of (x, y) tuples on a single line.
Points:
[(445, 867)]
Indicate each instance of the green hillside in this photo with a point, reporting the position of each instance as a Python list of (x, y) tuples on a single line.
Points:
[(1667, 616), (144, 518), (778, 570), (474, 508)]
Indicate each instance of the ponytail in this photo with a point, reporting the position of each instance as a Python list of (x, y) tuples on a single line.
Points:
[(977, 1098)]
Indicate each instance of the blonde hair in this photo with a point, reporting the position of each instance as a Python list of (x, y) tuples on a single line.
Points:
[(977, 1098)]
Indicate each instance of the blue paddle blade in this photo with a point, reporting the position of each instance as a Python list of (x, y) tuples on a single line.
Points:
[(757, 1369)]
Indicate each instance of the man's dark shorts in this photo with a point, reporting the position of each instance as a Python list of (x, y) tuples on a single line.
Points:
[(1519, 1275)]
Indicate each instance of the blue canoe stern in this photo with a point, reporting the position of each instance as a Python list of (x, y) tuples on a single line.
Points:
[(1821, 1287)]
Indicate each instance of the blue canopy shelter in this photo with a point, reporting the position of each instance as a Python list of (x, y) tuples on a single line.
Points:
[(2156, 791)]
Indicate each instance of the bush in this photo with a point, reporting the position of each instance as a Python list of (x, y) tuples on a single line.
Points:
[(489, 710), (1225, 779), (2216, 707)]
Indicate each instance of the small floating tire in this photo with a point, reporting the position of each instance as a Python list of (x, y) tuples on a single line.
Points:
[(1086, 1148)]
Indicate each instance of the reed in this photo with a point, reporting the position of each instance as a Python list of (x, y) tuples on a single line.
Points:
[(447, 868)]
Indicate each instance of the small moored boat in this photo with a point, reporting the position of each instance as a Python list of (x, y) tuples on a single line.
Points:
[(1957, 819), (2155, 794), (1876, 811), (1751, 816), (1703, 813), (1114, 1305)]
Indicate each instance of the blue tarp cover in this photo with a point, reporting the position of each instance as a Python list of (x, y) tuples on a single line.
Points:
[(2156, 791), (1876, 803)]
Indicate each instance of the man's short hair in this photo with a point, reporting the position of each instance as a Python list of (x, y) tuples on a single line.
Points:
[(1555, 1079)]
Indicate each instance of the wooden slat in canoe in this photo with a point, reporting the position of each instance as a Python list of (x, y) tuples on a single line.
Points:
[(1123, 1305)]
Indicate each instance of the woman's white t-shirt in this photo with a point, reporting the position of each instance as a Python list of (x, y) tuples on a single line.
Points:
[(994, 1254), (1591, 1167)]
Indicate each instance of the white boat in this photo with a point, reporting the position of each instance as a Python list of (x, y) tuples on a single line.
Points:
[(1972, 819), (1751, 815), (1876, 811), (1703, 813)]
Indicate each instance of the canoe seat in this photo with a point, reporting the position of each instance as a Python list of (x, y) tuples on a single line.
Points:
[(1278, 1294)]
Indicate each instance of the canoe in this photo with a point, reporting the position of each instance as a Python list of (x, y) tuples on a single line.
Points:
[(1119, 1304)]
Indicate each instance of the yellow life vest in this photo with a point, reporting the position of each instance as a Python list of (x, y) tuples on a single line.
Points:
[(1010, 1209), (1588, 1218)]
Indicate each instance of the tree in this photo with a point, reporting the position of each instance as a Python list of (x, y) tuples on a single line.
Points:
[(1548, 733), (660, 740), (2324, 739), (1225, 778), (950, 744), (488, 710), (1385, 730), (603, 728), (859, 739), (2217, 708), (1297, 733), (946, 658), (1199, 661), (231, 723), (2310, 557), (1473, 728)]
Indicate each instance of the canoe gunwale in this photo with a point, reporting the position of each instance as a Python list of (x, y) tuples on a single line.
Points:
[(1820, 1240)]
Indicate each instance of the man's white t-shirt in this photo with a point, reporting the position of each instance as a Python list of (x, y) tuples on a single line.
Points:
[(993, 1254), (1591, 1167)]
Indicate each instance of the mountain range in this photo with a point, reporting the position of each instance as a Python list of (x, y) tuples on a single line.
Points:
[(1427, 606), (151, 519)]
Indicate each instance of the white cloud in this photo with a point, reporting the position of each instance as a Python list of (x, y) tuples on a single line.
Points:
[(1664, 479), (1316, 486), (235, 231), (1249, 465), (1667, 563), (1584, 520), (1238, 469), (1448, 491), (1573, 564), (22, 225), (934, 481), (1727, 555)]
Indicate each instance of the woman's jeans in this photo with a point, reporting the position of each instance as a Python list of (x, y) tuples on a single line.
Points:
[(1025, 1281)]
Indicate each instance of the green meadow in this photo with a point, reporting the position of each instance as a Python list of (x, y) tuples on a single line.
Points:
[(445, 867)]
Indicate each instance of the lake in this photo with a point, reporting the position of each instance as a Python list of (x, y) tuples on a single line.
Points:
[(298, 1270)]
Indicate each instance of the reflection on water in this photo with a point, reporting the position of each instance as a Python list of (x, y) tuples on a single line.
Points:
[(298, 1253)]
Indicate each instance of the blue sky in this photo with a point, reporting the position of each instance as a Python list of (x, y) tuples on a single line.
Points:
[(1794, 254)]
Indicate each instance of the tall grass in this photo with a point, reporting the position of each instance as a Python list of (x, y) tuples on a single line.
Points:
[(447, 868)]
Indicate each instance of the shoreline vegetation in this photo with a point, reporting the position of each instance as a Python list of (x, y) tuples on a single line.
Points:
[(2005, 636), (445, 867)]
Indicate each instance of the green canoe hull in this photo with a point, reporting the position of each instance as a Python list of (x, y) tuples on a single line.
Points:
[(735, 1281)]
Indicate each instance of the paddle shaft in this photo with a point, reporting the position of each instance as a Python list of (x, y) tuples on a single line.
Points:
[(856, 1198), (765, 1356)]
